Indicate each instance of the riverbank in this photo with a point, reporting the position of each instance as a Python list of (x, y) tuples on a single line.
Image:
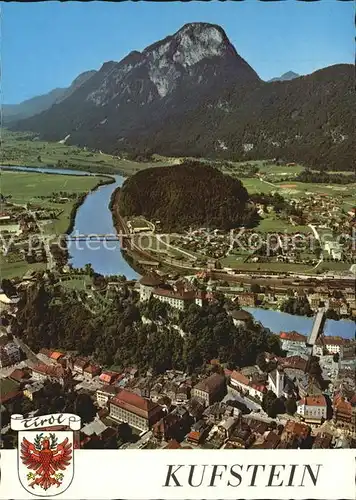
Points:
[(33, 188), (81, 200)]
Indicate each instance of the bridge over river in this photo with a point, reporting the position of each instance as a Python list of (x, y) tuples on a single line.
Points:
[(94, 237)]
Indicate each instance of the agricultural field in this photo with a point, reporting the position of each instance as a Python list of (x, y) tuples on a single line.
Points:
[(272, 224), (23, 149), (36, 189), (236, 262)]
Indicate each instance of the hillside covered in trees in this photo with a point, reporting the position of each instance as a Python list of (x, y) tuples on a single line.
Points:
[(190, 195), (53, 318)]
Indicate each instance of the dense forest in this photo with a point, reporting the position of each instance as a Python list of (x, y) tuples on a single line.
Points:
[(190, 195), (321, 177), (49, 317)]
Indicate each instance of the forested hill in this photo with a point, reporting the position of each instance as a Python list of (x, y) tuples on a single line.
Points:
[(190, 195)]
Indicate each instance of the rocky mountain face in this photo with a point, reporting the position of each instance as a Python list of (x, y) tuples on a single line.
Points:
[(191, 94), (290, 75), (35, 105)]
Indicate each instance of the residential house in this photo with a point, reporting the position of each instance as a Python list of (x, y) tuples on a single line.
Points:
[(138, 412), (104, 394), (293, 342), (10, 354), (148, 284), (171, 426), (241, 437), (270, 440), (143, 387), (57, 356), (322, 441), (183, 394), (342, 409), (240, 317), (108, 377), (199, 432), (19, 375), (53, 373), (79, 364), (210, 389), (313, 409), (294, 434), (91, 371), (33, 391), (195, 408), (243, 383), (246, 299), (330, 345), (227, 426)]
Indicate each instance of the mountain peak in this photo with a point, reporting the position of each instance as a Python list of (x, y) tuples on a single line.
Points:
[(289, 75)]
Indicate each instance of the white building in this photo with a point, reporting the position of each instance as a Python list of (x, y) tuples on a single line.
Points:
[(293, 343), (240, 381), (276, 382), (312, 409), (240, 317), (334, 249), (104, 394), (147, 285), (330, 344)]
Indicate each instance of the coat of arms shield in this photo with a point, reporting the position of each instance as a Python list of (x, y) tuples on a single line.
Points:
[(45, 457)]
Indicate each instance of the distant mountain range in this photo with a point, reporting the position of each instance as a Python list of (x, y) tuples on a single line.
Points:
[(35, 105), (290, 75), (191, 94)]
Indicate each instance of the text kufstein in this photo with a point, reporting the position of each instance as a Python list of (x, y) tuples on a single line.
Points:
[(276, 475)]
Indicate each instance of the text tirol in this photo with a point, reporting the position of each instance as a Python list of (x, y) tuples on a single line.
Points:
[(272, 475)]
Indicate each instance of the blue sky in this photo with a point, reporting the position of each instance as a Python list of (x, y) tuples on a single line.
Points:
[(46, 45)]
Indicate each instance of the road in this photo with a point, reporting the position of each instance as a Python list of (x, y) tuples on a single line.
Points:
[(31, 356), (168, 245), (315, 232)]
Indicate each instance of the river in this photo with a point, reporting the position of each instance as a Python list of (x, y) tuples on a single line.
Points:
[(94, 217), (278, 322)]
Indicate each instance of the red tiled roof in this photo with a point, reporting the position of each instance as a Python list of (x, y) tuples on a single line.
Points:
[(296, 362), (56, 355), (132, 402), (50, 370), (80, 362), (313, 400), (179, 294), (295, 336), (151, 280), (210, 384), (18, 375), (108, 376), (172, 445), (239, 377), (341, 405), (297, 428), (92, 369)]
